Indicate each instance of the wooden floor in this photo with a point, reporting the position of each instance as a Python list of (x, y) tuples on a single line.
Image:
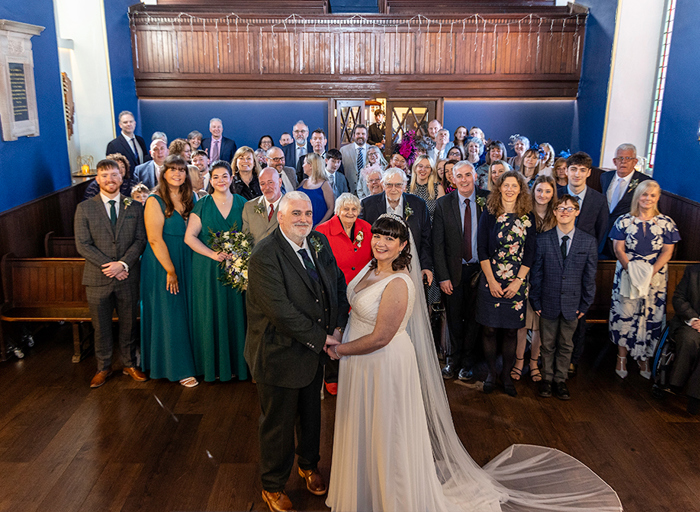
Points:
[(64, 447)]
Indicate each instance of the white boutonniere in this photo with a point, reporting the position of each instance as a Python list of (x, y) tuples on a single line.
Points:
[(358, 238), (127, 202), (633, 184), (260, 208), (407, 211), (480, 201), (526, 221), (316, 244)]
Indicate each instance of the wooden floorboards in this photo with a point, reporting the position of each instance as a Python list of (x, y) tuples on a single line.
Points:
[(156, 446)]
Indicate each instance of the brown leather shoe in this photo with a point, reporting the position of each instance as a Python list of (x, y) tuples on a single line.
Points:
[(314, 481), (100, 378), (135, 374), (278, 501)]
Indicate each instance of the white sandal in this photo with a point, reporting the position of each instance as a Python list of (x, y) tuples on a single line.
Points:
[(189, 382), (622, 362)]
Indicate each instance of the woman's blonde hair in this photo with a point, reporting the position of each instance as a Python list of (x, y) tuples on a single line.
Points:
[(432, 178), (641, 188), (318, 171), (239, 153)]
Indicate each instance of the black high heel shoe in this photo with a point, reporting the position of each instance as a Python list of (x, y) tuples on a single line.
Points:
[(489, 384)]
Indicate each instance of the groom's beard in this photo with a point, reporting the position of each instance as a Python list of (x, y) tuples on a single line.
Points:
[(301, 229)]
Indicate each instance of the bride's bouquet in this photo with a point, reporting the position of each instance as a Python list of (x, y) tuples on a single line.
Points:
[(236, 245)]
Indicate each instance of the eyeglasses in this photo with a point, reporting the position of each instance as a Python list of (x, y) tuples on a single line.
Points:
[(393, 185), (624, 158), (276, 159), (567, 209)]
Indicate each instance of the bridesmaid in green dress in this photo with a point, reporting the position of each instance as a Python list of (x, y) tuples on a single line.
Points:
[(166, 279), (217, 312)]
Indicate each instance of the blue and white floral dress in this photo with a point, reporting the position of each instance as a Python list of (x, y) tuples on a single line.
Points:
[(636, 323)]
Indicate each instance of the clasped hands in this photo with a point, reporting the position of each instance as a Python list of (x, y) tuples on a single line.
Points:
[(509, 292), (331, 342), (115, 269)]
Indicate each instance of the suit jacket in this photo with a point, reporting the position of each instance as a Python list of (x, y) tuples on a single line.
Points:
[(256, 223), (120, 145), (448, 232), (622, 208), (418, 222), (340, 184), (290, 153), (99, 243), (686, 297), (289, 179), (286, 333), (226, 151), (350, 164), (593, 218), (563, 287), (146, 174)]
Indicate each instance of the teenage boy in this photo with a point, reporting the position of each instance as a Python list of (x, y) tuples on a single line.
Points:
[(562, 290), (337, 180)]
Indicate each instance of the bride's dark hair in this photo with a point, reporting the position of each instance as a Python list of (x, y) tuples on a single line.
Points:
[(395, 227)]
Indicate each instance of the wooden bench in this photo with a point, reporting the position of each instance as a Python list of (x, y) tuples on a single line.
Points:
[(45, 290), (59, 246)]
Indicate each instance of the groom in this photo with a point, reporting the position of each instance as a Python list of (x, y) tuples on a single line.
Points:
[(296, 307)]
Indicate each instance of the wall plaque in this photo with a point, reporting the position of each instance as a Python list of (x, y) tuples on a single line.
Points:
[(18, 109)]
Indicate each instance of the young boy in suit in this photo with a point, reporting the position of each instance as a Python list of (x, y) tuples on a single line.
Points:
[(562, 290)]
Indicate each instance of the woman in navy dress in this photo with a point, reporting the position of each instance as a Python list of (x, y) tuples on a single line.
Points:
[(318, 189), (506, 246), (643, 238)]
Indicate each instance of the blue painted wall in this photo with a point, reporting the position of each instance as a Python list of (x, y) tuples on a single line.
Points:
[(678, 154), (244, 120), (31, 167)]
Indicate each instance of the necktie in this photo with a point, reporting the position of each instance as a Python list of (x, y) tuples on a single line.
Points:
[(301, 151), (564, 239), (360, 161), (272, 211), (617, 194), (215, 151), (136, 151), (467, 241), (309, 264), (331, 180), (112, 212)]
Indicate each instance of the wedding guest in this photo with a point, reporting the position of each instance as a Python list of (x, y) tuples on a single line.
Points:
[(355, 155), (149, 172), (456, 264), (288, 175), (398, 161), (447, 183), (160, 136), (494, 151), (496, 168), (375, 162), (166, 279), (425, 183), (456, 153), (643, 241), (217, 146), (260, 214), (195, 140), (531, 166), (217, 310), (317, 188), (93, 187), (506, 248), (336, 180), (197, 181), (434, 126), (374, 183), (132, 146), (442, 145), (110, 235), (563, 288), (547, 157), (181, 148), (201, 161), (544, 198), (377, 130), (266, 142), (559, 172), (459, 140), (477, 132), (140, 192), (286, 139), (520, 144), (246, 169), (474, 151), (261, 157)]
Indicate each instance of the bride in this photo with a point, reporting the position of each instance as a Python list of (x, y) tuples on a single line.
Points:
[(395, 447)]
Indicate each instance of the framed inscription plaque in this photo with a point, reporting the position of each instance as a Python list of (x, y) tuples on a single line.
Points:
[(18, 109)]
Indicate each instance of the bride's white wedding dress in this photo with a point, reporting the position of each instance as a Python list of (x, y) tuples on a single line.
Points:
[(395, 448)]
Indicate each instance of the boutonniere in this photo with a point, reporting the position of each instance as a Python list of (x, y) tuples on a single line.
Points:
[(480, 201), (316, 244), (260, 208), (526, 221), (127, 202), (633, 184), (407, 211), (358, 238)]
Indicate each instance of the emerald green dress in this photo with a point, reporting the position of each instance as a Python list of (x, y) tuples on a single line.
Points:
[(166, 341), (218, 315)]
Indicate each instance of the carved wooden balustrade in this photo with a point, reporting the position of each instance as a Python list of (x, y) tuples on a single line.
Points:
[(224, 55)]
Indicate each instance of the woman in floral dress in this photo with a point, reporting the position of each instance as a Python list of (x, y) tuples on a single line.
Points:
[(506, 246), (643, 241)]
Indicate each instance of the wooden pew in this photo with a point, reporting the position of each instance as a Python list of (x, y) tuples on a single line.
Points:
[(59, 246), (45, 290)]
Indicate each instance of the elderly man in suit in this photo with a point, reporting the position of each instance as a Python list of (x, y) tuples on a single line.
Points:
[(562, 290), (296, 307), (300, 147), (110, 235), (456, 263), (217, 146), (128, 143), (276, 159), (355, 156), (260, 214), (618, 187), (407, 206), (592, 219), (149, 173)]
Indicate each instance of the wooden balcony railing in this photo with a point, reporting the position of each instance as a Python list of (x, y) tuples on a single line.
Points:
[(209, 54)]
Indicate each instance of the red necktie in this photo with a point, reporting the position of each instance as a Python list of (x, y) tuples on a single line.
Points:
[(272, 210), (467, 241)]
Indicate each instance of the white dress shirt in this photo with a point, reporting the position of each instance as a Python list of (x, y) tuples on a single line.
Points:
[(396, 211), (296, 247)]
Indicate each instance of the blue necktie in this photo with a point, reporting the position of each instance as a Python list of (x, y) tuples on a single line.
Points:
[(360, 161), (309, 264)]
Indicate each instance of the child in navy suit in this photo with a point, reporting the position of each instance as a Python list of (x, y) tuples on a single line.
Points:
[(562, 290)]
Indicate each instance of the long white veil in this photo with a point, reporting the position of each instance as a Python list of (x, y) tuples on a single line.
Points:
[(523, 478)]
